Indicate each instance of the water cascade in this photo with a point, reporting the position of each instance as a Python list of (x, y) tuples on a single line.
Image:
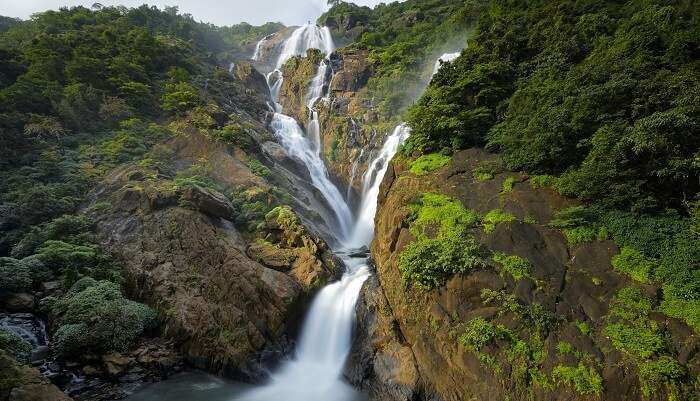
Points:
[(445, 58), (315, 372), (364, 226)]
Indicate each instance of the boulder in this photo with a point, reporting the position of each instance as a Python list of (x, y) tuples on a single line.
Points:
[(208, 201), (21, 302), (116, 364)]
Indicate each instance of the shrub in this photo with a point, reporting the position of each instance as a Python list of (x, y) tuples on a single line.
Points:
[(15, 276), (571, 217), (15, 345), (94, 317), (542, 181), (430, 262), (582, 234), (487, 170), (429, 163), (495, 217), (516, 266), (634, 264), (479, 333), (258, 168), (654, 373), (443, 246), (584, 380), (508, 185)]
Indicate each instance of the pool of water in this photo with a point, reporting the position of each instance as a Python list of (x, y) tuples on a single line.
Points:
[(191, 386)]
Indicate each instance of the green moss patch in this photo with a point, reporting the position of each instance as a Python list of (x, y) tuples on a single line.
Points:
[(443, 246), (514, 265), (585, 380), (495, 217), (429, 163)]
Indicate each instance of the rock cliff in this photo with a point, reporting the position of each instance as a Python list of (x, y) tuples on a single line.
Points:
[(490, 335)]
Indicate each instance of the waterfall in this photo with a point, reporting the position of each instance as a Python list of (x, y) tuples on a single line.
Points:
[(364, 225), (258, 47), (295, 143), (315, 372), (445, 58)]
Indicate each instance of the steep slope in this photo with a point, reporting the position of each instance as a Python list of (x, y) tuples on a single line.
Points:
[(537, 317)]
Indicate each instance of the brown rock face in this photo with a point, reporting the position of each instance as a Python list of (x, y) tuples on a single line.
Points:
[(184, 257), (409, 346)]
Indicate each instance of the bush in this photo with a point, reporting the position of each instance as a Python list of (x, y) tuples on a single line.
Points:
[(94, 317), (654, 373), (495, 217), (258, 168), (634, 264), (514, 265), (508, 185), (542, 181), (15, 276), (429, 163), (443, 246), (430, 262), (584, 380), (15, 345)]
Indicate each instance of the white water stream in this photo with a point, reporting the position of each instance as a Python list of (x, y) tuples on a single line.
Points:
[(315, 372)]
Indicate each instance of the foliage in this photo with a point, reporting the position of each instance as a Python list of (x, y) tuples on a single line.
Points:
[(584, 380), (508, 185), (556, 88), (495, 217), (514, 265), (258, 168), (429, 163), (15, 345), (633, 263), (654, 373), (443, 246), (94, 317), (15, 276), (542, 181)]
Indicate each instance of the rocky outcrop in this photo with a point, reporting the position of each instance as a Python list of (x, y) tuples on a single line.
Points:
[(564, 289), (289, 246), (382, 363), (24, 383), (184, 257), (271, 48)]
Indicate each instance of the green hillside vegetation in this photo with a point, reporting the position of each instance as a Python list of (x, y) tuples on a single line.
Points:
[(81, 91)]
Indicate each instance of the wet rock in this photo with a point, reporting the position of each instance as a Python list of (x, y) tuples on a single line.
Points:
[(116, 364), (21, 302), (40, 353)]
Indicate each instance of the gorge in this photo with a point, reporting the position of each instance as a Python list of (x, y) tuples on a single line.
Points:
[(426, 200)]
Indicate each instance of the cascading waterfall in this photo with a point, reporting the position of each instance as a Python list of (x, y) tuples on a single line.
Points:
[(353, 172), (315, 373), (364, 226)]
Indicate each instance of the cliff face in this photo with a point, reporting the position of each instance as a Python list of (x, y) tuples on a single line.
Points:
[(546, 335)]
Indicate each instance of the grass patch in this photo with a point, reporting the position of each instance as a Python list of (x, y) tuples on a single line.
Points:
[(495, 217), (514, 265), (542, 181), (429, 163), (584, 380)]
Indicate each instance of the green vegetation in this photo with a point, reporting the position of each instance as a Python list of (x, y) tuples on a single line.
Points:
[(584, 380), (508, 185), (542, 181), (487, 170), (642, 340), (553, 87), (495, 217), (633, 263), (443, 245), (429, 163), (403, 39), (514, 265), (94, 317), (15, 345)]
